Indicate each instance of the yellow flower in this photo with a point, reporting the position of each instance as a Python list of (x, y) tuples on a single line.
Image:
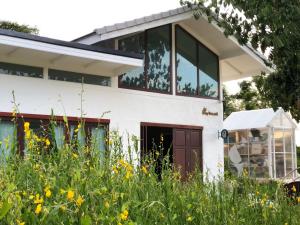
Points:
[(128, 175), (294, 188), (115, 169), (62, 191), (75, 156), (31, 197), (124, 215), (63, 208), (106, 204), (77, 129), (79, 201), (48, 194), (20, 223), (38, 209), (189, 219), (144, 170), (298, 199), (47, 142), (70, 195), (38, 200), (26, 126)]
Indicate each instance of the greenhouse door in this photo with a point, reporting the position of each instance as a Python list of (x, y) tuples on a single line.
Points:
[(187, 150)]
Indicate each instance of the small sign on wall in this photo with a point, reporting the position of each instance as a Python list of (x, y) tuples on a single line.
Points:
[(208, 113)]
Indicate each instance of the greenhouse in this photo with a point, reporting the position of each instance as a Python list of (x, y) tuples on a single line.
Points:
[(262, 143)]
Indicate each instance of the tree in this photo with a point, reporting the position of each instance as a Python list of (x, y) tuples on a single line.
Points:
[(17, 27), (272, 25)]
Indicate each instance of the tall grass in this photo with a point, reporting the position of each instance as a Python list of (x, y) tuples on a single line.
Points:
[(79, 185)]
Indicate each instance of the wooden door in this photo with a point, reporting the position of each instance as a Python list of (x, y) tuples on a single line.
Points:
[(187, 150)]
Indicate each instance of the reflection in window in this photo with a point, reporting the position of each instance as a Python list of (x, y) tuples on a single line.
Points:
[(208, 72), (186, 63), (136, 77), (158, 54), (155, 76), (197, 68), (21, 70), (7, 139), (78, 77)]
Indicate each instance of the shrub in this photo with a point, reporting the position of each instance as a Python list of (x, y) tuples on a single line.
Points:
[(77, 185)]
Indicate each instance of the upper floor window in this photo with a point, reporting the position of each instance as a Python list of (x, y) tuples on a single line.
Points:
[(21, 70), (78, 77), (197, 68), (156, 45)]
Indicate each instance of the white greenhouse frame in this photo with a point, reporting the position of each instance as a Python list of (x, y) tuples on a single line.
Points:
[(262, 142)]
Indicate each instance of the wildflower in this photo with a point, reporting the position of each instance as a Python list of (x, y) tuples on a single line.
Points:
[(47, 142), (162, 215), (189, 219), (77, 129), (31, 197), (48, 193), (63, 208), (62, 191), (106, 204), (70, 195), (298, 199), (294, 188), (20, 223), (27, 129), (128, 175), (38, 209), (38, 200), (144, 170), (75, 156), (124, 215), (79, 201)]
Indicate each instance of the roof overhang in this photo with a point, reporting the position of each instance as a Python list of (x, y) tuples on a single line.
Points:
[(25, 51), (236, 61)]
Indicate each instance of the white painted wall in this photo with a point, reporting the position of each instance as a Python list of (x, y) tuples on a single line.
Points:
[(127, 109)]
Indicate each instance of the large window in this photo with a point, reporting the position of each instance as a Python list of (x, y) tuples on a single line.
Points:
[(156, 45), (13, 138), (78, 77), (197, 68), (20, 70)]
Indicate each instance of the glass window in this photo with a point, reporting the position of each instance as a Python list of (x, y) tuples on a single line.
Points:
[(78, 77), (156, 45), (98, 139), (134, 78), (110, 44), (197, 68), (186, 63), (21, 70), (158, 56), (208, 72), (7, 138)]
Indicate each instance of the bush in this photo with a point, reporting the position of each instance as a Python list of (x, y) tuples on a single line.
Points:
[(79, 186)]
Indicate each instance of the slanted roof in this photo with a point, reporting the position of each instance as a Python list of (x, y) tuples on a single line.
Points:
[(259, 118), (236, 61), (18, 46), (249, 119)]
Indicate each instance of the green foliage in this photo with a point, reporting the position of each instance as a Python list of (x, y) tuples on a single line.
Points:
[(18, 27), (272, 25), (73, 185), (251, 96)]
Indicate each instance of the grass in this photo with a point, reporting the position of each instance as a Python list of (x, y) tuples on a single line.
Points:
[(78, 185)]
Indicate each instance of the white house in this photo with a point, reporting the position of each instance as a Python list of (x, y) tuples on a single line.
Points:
[(159, 74)]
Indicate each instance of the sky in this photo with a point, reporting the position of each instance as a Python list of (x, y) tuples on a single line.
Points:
[(67, 20)]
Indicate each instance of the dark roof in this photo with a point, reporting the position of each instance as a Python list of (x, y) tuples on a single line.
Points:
[(37, 38)]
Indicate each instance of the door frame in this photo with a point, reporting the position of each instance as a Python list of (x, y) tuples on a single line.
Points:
[(173, 126)]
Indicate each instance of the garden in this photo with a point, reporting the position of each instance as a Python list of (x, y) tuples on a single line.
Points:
[(82, 184)]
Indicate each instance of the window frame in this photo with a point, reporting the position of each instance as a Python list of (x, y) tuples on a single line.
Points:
[(20, 118), (198, 43), (24, 66), (146, 64)]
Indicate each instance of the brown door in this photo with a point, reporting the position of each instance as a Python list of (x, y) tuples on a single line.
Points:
[(187, 150)]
